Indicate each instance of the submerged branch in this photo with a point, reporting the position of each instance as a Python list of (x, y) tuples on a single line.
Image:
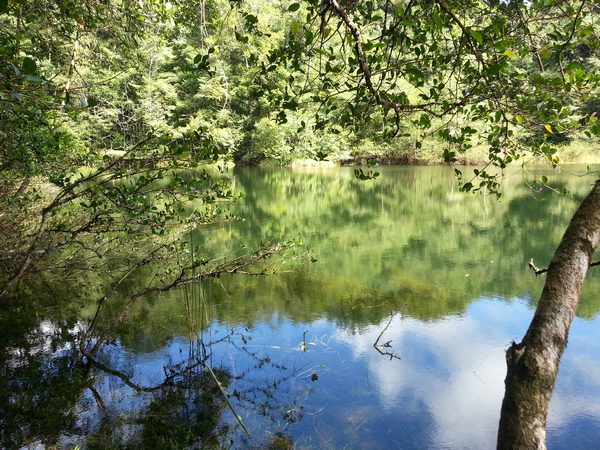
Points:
[(387, 344)]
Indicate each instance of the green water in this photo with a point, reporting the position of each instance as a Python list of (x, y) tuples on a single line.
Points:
[(438, 276)]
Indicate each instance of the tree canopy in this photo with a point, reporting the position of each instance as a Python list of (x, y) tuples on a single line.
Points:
[(515, 77)]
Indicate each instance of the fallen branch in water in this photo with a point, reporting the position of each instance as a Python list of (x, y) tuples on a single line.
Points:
[(539, 271), (387, 344)]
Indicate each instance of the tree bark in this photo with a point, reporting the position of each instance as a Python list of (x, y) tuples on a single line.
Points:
[(532, 365)]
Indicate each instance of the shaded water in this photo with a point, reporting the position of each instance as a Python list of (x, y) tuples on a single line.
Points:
[(437, 278)]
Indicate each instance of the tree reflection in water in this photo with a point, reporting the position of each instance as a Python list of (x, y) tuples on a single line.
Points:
[(54, 391)]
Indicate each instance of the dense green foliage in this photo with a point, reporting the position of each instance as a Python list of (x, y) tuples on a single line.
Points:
[(512, 77), (93, 140)]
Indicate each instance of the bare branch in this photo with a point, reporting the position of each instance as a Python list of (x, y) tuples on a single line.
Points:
[(387, 344)]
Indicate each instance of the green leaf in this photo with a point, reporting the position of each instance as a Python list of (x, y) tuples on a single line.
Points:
[(424, 121), (415, 76), (241, 38), (363, 176), (29, 66), (294, 7), (321, 155), (437, 19), (92, 101), (510, 54), (295, 27), (309, 37), (519, 119), (33, 79), (476, 35), (467, 187)]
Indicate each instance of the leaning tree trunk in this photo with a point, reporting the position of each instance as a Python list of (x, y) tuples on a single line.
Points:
[(533, 364)]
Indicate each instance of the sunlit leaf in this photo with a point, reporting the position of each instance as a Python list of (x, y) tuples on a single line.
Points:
[(476, 35), (437, 19), (295, 27)]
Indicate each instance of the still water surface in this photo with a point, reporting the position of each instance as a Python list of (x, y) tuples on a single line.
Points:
[(437, 278)]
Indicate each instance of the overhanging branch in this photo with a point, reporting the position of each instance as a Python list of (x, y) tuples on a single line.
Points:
[(539, 271), (366, 70)]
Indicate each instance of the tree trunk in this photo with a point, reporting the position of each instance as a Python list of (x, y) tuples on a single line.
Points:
[(533, 364)]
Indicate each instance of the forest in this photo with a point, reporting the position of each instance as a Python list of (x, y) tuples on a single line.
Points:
[(215, 213)]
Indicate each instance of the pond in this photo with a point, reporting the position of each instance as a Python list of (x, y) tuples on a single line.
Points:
[(389, 334)]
